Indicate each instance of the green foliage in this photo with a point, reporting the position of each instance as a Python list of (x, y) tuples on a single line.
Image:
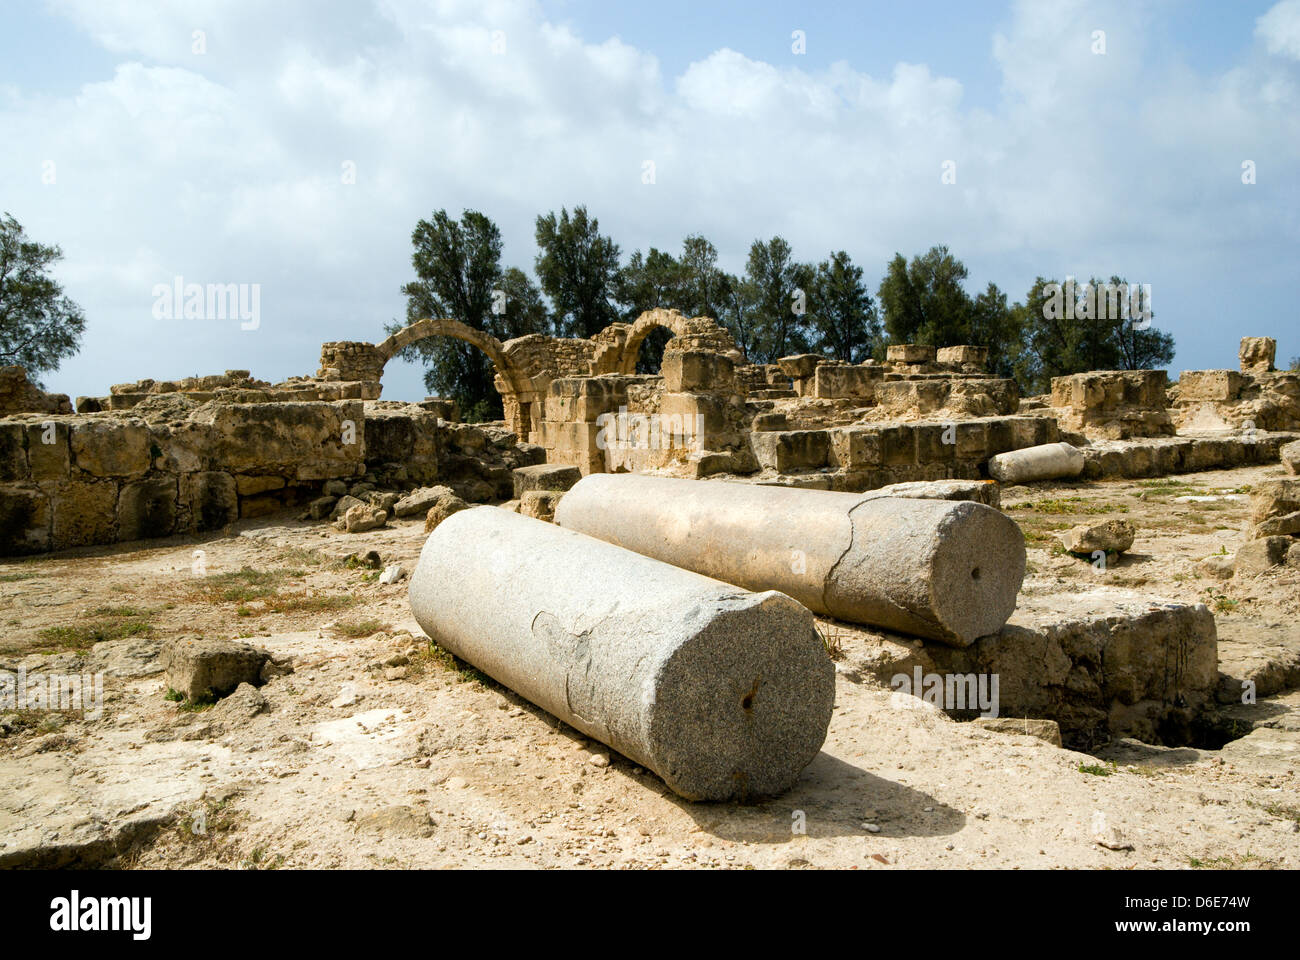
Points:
[(458, 273), (767, 326), (779, 307), (1095, 337), (843, 315), (925, 302), (579, 271), (39, 325)]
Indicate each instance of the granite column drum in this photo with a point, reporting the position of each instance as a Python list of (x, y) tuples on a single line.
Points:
[(941, 569), (724, 693)]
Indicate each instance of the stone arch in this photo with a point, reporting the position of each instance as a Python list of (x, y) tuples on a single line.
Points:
[(669, 320), (513, 384), (688, 332)]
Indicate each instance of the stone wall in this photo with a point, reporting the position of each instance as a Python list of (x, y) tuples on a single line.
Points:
[(77, 480), (1113, 404), (20, 395), (184, 467), (866, 456), (1204, 400)]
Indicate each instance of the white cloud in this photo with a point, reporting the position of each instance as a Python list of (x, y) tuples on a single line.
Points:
[(1279, 28), (226, 166)]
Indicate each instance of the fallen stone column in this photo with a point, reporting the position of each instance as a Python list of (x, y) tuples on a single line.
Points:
[(1046, 462), (724, 693), (949, 570)]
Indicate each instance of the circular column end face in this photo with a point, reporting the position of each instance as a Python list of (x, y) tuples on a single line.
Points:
[(976, 576), (743, 706)]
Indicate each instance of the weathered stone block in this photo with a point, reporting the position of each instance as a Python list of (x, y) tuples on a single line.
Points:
[(211, 498), (1256, 354), (1258, 556), (13, 456), (800, 366), (147, 508), (202, 669), (1274, 498), (697, 370), (112, 447), (248, 486), (47, 450), (252, 438), (24, 520), (898, 446), (1103, 663), (1216, 385), (966, 354), (784, 451), (545, 476), (1290, 456), (84, 512), (835, 381), (540, 504), (854, 448), (910, 353)]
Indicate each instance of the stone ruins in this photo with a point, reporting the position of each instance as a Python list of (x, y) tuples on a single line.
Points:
[(868, 493)]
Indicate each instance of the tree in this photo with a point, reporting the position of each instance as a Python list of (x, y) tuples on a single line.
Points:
[(656, 281), (995, 325), (1071, 328), (739, 314), (705, 288), (39, 325), (650, 282), (843, 314), (778, 326), (578, 269), (459, 276), (924, 301)]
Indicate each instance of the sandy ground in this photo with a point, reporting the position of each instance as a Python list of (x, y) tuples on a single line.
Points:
[(379, 752)]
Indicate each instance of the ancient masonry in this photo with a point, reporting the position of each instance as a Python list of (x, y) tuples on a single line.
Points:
[(162, 457), (908, 541)]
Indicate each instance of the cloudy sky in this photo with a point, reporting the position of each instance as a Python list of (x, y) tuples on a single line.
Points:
[(218, 141)]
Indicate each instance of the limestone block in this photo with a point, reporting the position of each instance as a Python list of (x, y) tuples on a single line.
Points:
[(540, 504), (85, 512), (212, 499), (544, 476), (697, 370), (788, 450), (206, 669), (1257, 354), (24, 520), (1108, 536), (964, 354), (112, 447), (1258, 556), (834, 381), (147, 508), (909, 353)]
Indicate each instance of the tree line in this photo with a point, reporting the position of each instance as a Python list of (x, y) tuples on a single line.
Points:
[(777, 307)]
